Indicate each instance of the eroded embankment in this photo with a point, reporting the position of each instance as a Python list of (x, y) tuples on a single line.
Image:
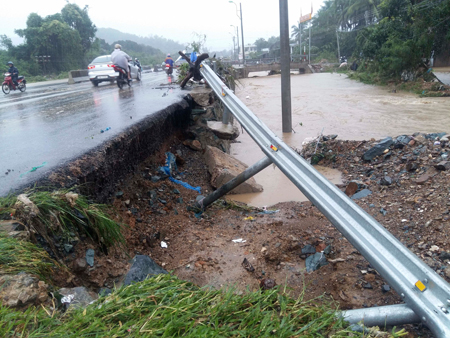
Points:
[(98, 170)]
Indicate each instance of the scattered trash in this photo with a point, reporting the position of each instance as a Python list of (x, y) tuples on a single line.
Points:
[(186, 185), (249, 218), (239, 240), (268, 212), (163, 244), (247, 266), (34, 169), (102, 131), (67, 299), (171, 168)]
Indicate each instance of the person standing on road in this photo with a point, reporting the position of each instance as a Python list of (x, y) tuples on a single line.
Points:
[(14, 73), (120, 58)]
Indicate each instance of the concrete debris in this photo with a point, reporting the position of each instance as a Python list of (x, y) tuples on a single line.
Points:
[(142, 268), (22, 290), (224, 167)]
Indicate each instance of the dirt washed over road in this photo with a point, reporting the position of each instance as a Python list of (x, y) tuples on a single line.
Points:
[(336, 104)]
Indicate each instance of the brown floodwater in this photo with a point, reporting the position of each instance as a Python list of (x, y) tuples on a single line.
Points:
[(336, 104)]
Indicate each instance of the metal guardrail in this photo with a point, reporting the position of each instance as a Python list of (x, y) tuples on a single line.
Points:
[(424, 291)]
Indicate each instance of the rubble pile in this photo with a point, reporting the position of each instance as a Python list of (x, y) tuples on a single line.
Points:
[(403, 182)]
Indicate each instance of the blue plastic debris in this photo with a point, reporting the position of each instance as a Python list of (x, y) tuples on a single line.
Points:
[(170, 169)]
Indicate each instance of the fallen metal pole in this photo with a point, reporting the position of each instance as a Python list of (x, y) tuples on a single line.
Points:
[(390, 315), (241, 178)]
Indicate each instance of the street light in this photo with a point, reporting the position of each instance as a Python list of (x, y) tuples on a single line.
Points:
[(237, 36), (242, 28)]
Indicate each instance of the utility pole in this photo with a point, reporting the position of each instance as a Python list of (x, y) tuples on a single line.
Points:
[(339, 51), (285, 59), (242, 32), (309, 51)]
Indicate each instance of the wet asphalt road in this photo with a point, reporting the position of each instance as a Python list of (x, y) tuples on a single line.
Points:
[(49, 125)]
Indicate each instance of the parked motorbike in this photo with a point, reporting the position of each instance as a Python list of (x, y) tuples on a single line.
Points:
[(122, 78), (9, 85), (169, 70), (343, 59)]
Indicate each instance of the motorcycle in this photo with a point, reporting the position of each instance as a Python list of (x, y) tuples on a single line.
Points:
[(122, 78), (169, 70), (9, 85)]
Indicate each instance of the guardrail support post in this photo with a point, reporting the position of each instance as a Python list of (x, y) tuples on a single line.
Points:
[(225, 115), (241, 178), (390, 315)]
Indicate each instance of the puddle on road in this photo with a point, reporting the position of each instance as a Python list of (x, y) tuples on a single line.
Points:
[(338, 105)]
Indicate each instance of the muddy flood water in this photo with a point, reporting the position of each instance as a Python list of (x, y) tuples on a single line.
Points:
[(336, 104)]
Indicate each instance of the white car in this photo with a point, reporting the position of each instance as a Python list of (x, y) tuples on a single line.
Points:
[(101, 69)]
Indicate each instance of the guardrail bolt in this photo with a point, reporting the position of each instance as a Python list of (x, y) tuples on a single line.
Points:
[(448, 302), (426, 280), (424, 319), (403, 295), (444, 309)]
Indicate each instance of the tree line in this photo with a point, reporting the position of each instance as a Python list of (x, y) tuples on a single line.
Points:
[(62, 42)]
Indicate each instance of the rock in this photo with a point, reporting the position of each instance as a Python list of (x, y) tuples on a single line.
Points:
[(378, 149), (423, 179), (367, 286), (444, 165), (411, 166), (79, 265), (119, 194), (193, 144), (420, 139), (386, 180), (444, 255), (401, 141), (315, 261), (77, 297), (176, 191), (327, 250), (71, 198), (142, 268), (433, 136), (247, 265), (103, 292), (385, 288), (90, 257), (156, 178), (11, 225), (201, 96), (308, 250), (68, 248), (320, 247), (267, 283), (223, 131), (351, 189), (224, 167), (21, 290), (20, 235), (363, 193)]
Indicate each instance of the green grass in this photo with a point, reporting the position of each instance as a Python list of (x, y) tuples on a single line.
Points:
[(58, 215), (167, 307), (17, 256)]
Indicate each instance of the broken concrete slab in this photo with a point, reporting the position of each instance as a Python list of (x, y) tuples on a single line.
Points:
[(202, 96), (224, 167), (223, 131)]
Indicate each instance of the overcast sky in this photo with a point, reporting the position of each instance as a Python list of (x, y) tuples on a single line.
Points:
[(175, 19)]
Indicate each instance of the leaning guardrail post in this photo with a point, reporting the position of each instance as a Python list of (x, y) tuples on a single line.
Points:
[(241, 178), (420, 287), (381, 316)]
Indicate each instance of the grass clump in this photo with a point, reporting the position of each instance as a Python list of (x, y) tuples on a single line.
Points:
[(164, 306), (59, 210), (17, 256)]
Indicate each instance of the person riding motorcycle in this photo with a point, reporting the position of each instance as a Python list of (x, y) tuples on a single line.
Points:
[(137, 63), (14, 73), (169, 61), (120, 58)]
